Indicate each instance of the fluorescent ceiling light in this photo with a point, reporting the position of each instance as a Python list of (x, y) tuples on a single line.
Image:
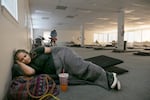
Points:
[(42, 12), (138, 5), (129, 11), (103, 18), (113, 23), (99, 26), (140, 22), (84, 11), (134, 18)]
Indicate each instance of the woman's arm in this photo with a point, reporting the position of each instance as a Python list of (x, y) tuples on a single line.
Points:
[(41, 50), (26, 69)]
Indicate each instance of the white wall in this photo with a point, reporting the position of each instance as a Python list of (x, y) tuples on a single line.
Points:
[(13, 35), (67, 36)]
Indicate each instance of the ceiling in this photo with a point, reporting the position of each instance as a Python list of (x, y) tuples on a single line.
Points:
[(95, 15)]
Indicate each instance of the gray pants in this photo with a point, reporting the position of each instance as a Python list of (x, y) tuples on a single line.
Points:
[(78, 67)]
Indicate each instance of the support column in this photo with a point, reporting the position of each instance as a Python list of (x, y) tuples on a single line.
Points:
[(120, 43), (82, 35)]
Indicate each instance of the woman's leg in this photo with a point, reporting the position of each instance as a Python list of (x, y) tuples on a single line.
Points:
[(76, 66)]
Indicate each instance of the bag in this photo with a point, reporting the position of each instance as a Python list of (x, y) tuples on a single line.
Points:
[(40, 87)]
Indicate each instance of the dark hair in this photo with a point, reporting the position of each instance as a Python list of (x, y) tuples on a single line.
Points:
[(17, 52)]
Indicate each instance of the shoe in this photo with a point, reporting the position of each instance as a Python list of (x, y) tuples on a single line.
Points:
[(118, 87), (115, 81)]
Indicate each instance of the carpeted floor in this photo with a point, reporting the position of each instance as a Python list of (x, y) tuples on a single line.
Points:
[(135, 83)]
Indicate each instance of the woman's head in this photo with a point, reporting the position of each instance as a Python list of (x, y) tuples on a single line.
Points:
[(22, 56)]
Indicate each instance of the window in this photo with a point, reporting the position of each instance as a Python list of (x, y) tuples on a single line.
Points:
[(11, 6), (105, 37)]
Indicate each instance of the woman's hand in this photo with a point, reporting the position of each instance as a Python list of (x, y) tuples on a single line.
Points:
[(47, 50), (25, 68), (18, 62)]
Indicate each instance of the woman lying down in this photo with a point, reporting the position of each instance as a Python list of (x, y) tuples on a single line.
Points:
[(51, 60)]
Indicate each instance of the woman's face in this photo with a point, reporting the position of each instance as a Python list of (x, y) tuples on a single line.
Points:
[(24, 57)]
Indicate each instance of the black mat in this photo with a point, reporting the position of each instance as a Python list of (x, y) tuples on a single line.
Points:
[(108, 63), (115, 69), (142, 53), (104, 61)]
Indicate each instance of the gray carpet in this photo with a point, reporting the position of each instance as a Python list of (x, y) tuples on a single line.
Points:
[(135, 83)]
